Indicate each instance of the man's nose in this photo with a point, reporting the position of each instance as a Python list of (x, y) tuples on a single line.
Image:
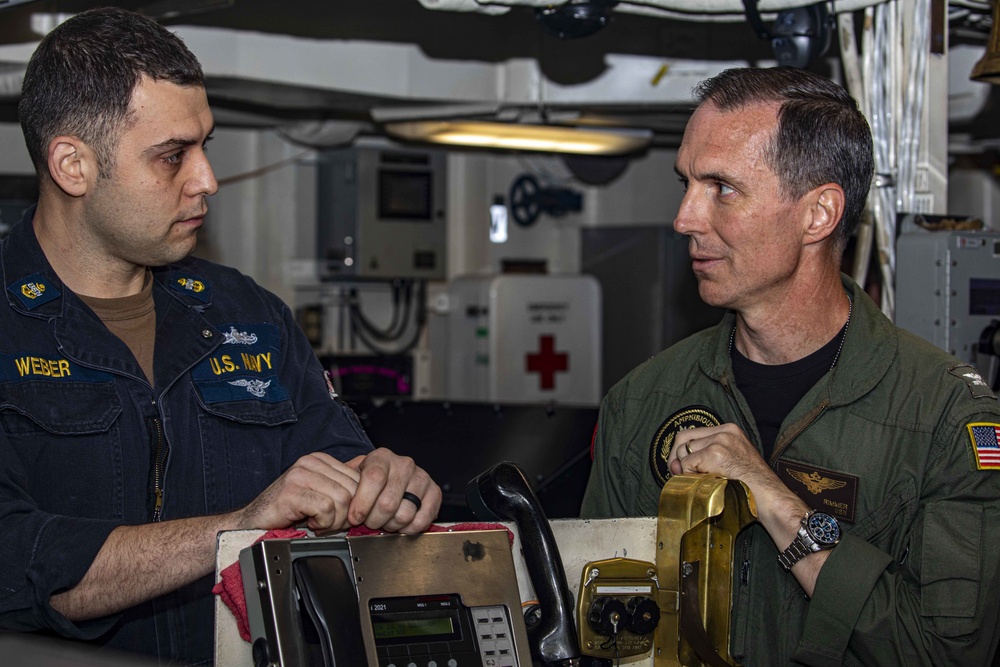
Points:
[(686, 220), (202, 181)]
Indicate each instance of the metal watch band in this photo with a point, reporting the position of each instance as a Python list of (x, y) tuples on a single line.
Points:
[(795, 552)]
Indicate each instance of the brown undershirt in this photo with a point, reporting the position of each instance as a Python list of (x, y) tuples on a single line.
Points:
[(133, 320)]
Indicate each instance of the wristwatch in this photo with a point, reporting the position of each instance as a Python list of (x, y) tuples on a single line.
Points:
[(818, 531)]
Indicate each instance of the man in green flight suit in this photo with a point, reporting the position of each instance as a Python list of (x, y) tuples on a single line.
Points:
[(871, 454)]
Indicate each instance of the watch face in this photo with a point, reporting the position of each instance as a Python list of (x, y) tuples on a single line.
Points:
[(824, 529)]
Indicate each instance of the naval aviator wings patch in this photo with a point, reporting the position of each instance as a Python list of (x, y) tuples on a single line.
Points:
[(985, 438)]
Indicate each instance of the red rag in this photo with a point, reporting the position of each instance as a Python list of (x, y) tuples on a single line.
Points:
[(230, 585)]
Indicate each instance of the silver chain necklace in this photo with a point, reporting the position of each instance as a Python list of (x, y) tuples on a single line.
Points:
[(843, 335)]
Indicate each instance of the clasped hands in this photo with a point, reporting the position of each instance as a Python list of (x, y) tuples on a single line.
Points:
[(328, 495)]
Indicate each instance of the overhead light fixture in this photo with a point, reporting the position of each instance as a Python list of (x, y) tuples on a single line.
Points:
[(519, 137)]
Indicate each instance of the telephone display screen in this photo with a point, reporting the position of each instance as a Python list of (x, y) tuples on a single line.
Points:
[(428, 629), (419, 620)]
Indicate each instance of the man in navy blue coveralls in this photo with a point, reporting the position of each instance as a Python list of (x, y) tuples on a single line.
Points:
[(149, 400)]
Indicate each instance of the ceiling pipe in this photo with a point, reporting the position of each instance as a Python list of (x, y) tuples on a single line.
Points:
[(686, 10)]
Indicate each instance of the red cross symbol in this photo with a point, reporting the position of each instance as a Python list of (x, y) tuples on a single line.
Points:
[(547, 362)]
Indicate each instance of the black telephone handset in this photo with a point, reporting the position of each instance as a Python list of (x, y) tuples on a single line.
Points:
[(328, 600), (503, 492)]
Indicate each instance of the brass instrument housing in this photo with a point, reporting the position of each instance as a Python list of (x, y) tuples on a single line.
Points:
[(699, 518), (622, 578)]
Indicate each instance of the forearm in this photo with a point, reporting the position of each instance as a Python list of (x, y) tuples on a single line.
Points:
[(780, 512), (138, 563)]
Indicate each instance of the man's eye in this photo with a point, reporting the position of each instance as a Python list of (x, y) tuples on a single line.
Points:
[(725, 189), (684, 183), (173, 158)]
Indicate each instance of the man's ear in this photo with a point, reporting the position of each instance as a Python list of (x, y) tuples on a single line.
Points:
[(826, 208), (72, 165)]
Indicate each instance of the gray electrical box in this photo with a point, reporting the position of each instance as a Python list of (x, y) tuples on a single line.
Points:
[(381, 214), (948, 288)]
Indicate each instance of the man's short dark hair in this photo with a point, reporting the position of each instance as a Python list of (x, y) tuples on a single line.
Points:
[(822, 136), (81, 78)]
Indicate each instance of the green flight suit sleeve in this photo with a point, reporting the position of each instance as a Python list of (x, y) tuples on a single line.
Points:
[(938, 606), (605, 496)]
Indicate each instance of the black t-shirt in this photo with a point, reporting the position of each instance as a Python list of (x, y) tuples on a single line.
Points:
[(773, 390)]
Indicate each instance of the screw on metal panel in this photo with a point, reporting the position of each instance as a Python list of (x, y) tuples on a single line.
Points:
[(261, 585)]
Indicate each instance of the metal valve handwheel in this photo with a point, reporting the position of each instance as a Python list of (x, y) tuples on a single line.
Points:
[(524, 203)]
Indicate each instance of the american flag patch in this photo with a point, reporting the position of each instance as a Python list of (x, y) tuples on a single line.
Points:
[(986, 443)]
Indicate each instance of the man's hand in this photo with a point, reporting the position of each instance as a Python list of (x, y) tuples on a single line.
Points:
[(329, 495), (722, 450), (379, 502), (317, 490), (725, 450)]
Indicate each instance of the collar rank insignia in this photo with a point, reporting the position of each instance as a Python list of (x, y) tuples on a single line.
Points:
[(693, 416), (33, 291), (985, 444), (973, 380), (191, 285)]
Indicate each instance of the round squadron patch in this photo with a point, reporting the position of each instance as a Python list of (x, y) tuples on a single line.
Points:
[(693, 416)]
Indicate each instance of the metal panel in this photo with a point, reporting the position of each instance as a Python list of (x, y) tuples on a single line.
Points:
[(944, 291), (380, 214)]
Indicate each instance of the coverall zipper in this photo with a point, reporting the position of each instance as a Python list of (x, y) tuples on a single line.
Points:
[(778, 451), (160, 451), (745, 565)]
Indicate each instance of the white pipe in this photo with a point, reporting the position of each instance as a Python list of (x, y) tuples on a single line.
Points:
[(855, 86), (692, 10)]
